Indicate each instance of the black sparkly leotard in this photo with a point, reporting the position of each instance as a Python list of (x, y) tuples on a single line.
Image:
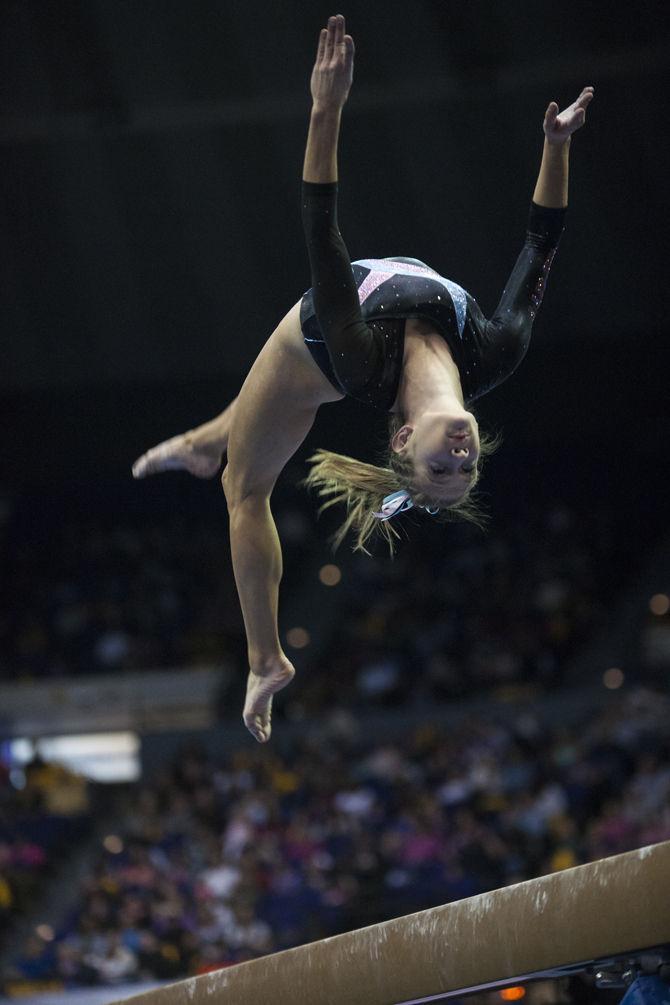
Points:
[(353, 317)]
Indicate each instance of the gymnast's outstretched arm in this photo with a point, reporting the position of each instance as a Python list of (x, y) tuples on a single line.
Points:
[(504, 339), (348, 338)]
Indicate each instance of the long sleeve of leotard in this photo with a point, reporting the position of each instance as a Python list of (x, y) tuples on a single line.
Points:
[(505, 337), (349, 340)]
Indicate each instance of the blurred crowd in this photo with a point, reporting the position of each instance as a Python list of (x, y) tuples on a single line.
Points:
[(221, 860), (456, 608), (40, 823), (87, 590), (509, 606), (96, 598)]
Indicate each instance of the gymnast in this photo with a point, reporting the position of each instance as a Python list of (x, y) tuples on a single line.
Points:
[(389, 332)]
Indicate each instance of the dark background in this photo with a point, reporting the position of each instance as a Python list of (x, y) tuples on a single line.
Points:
[(150, 240)]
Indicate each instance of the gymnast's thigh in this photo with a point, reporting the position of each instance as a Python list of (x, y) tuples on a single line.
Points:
[(274, 410)]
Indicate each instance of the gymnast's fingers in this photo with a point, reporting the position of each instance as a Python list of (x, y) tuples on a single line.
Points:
[(330, 39), (321, 49), (550, 114), (585, 98), (339, 29)]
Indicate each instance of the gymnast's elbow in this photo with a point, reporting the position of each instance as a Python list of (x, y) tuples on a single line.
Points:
[(504, 346)]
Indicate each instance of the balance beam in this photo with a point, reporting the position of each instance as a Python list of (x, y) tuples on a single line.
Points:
[(557, 923)]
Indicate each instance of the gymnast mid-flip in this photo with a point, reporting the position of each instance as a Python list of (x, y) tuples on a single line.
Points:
[(390, 332)]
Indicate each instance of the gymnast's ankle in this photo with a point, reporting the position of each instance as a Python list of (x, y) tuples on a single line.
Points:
[(206, 445), (266, 664)]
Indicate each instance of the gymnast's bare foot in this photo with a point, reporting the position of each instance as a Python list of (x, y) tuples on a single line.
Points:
[(261, 686), (179, 453)]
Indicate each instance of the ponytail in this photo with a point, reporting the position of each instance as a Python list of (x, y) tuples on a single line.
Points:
[(363, 488)]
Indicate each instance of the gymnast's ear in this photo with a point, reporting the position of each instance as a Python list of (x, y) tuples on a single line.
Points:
[(400, 438)]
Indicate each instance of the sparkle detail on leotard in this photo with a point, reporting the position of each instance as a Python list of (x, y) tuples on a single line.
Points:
[(380, 272), (353, 318)]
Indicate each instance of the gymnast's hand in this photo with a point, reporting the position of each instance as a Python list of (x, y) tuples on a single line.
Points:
[(334, 67), (559, 126)]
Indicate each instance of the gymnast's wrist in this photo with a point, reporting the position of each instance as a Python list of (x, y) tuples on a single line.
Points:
[(325, 112), (557, 150)]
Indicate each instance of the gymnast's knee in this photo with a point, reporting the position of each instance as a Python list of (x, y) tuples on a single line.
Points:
[(231, 488), (243, 494)]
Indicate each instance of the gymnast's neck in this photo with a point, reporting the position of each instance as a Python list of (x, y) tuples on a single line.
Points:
[(430, 377)]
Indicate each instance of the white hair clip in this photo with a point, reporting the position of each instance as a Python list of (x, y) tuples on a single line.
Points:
[(396, 502)]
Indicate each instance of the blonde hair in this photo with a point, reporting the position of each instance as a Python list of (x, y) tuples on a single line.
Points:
[(361, 488)]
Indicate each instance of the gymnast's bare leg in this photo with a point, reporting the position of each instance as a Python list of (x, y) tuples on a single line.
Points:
[(199, 451), (274, 412)]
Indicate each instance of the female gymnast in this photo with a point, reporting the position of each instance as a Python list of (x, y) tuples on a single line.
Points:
[(390, 332)]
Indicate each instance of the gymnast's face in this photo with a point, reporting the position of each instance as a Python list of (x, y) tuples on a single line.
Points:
[(443, 448)]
